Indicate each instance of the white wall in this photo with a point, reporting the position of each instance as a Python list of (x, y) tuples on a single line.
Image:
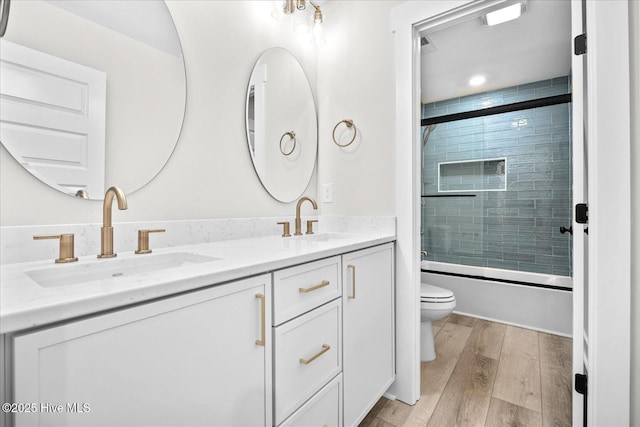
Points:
[(210, 174), (634, 25), (356, 80)]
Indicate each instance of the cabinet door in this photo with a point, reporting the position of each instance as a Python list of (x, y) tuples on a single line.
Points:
[(368, 329), (188, 360)]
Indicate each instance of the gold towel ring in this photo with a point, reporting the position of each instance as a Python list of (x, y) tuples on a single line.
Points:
[(349, 124), (291, 135)]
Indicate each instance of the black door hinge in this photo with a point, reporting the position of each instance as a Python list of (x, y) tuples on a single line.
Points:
[(582, 213), (580, 44), (581, 384)]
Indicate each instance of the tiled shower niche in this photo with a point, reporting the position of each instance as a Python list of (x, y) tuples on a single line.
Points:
[(497, 189), (472, 175)]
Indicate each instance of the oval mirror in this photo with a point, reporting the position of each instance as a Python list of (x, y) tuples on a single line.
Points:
[(282, 128), (93, 92)]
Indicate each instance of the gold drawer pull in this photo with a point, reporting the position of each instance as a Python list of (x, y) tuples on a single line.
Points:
[(313, 288), (262, 320), (325, 348), (353, 280)]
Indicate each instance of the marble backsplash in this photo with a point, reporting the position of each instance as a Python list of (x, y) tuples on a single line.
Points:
[(17, 244)]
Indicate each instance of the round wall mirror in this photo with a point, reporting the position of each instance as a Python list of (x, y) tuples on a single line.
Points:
[(282, 128), (93, 92)]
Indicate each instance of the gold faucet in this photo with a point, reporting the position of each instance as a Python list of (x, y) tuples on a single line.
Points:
[(298, 220), (106, 232)]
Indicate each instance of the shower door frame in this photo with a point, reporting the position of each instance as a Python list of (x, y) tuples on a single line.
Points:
[(609, 190)]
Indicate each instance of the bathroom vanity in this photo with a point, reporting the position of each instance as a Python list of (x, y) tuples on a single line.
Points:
[(260, 331)]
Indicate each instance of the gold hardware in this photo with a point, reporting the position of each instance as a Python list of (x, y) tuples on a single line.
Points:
[(310, 225), (290, 6), (317, 14), (353, 280), (313, 288), (325, 348), (298, 220), (66, 246), (106, 232), (291, 135), (349, 124), (262, 339), (143, 240), (286, 232), (82, 194)]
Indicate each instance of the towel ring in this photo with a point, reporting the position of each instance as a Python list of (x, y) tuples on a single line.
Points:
[(291, 135), (349, 124)]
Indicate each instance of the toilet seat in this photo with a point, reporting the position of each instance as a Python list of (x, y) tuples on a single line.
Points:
[(434, 294)]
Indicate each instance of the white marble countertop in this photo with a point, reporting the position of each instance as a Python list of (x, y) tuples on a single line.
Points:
[(25, 304)]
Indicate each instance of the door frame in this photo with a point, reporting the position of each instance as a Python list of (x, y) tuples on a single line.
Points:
[(609, 193)]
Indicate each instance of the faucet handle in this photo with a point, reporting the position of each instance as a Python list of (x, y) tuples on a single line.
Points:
[(66, 246), (310, 225), (143, 240), (286, 230)]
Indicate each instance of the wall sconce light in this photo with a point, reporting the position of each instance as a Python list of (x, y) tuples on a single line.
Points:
[(290, 6), (298, 9)]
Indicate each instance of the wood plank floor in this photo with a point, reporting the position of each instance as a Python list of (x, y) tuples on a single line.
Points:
[(487, 374)]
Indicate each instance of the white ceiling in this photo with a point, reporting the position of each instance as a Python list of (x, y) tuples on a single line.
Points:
[(536, 46)]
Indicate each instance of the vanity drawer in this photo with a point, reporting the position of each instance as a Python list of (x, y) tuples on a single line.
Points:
[(307, 354), (323, 409), (302, 288)]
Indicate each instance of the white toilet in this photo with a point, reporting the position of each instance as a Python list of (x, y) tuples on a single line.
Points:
[(435, 303)]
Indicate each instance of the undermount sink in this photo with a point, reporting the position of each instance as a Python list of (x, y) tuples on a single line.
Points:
[(63, 275)]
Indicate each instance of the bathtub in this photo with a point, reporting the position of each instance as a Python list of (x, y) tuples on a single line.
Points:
[(530, 300)]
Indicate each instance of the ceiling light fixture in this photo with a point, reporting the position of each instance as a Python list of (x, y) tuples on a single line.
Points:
[(478, 80), (508, 13)]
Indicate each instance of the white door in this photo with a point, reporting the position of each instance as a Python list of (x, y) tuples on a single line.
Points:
[(367, 329), (52, 118), (606, 276), (189, 360)]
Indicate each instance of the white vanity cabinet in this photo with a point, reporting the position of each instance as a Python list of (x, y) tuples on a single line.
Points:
[(368, 329), (199, 358), (300, 344), (340, 313)]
